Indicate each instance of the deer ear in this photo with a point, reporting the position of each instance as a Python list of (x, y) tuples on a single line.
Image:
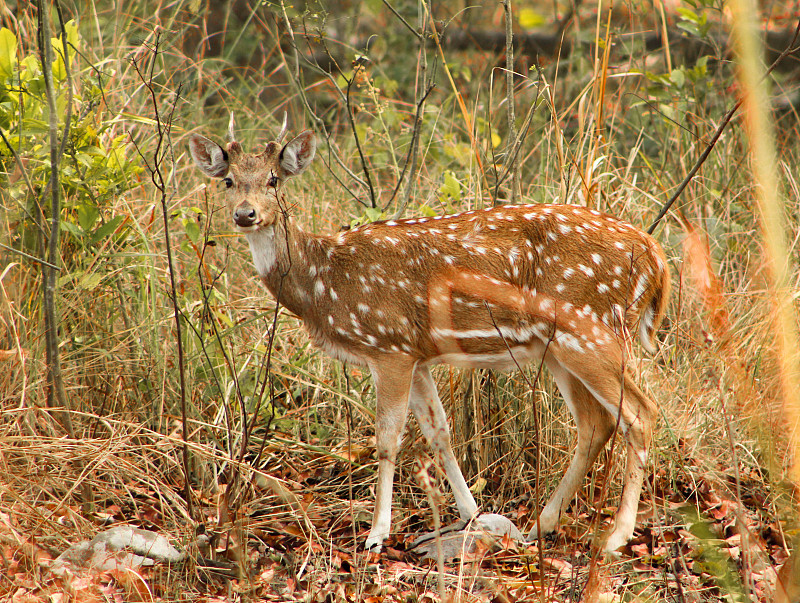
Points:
[(211, 158), (296, 156)]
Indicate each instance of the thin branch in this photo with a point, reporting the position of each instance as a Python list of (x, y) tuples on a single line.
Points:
[(163, 133), (411, 158), (30, 257), (790, 48), (419, 36), (352, 120), (296, 80), (512, 162), (424, 86)]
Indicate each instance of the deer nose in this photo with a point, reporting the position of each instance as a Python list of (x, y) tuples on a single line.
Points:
[(244, 215)]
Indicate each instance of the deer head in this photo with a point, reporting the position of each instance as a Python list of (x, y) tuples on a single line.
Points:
[(253, 181)]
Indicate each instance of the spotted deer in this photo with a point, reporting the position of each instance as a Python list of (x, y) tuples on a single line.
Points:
[(492, 288)]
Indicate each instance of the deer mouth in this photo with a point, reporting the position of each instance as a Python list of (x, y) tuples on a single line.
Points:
[(249, 227)]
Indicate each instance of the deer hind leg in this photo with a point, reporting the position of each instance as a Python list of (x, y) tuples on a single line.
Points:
[(393, 378), (432, 420), (638, 414), (595, 427), (613, 388)]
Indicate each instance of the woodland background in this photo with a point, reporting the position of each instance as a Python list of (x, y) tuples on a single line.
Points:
[(137, 348)]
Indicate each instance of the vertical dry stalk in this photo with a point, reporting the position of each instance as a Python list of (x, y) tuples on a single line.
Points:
[(434, 499), (512, 162), (760, 134), (468, 121), (596, 138)]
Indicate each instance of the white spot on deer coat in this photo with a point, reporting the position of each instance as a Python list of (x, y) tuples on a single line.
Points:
[(569, 341)]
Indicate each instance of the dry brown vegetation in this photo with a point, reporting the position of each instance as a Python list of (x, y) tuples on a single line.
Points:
[(276, 438)]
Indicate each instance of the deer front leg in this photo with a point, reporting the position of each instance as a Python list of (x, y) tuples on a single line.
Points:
[(392, 382), (432, 420)]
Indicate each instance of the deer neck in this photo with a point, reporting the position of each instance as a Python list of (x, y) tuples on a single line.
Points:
[(287, 260)]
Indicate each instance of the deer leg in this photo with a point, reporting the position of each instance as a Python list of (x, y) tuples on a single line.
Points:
[(393, 382), (638, 436), (432, 420), (595, 427), (613, 388)]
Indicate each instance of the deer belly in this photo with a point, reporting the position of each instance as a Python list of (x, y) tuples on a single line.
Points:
[(494, 348)]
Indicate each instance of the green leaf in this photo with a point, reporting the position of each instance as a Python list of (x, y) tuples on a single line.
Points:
[(374, 214), (89, 281), (689, 28), (87, 216), (104, 230), (192, 230), (59, 70), (678, 77), (451, 187), (688, 14), (73, 39), (428, 211), (72, 229), (8, 52), (30, 68)]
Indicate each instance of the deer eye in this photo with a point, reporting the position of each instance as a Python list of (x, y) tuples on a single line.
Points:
[(228, 182), (272, 182)]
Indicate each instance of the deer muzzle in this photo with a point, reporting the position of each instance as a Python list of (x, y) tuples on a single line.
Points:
[(245, 216)]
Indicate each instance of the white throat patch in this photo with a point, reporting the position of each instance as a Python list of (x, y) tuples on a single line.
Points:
[(262, 248)]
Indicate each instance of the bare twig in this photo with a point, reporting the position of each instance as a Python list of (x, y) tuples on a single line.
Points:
[(56, 395), (30, 257), (419, 34), (411, 158), (55, 390), (351, 118), (790, 48), (296, 81), (424, 86), (511, 165), (163, 141)]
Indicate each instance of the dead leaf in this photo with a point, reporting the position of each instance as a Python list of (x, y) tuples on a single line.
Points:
[(558, 565)]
